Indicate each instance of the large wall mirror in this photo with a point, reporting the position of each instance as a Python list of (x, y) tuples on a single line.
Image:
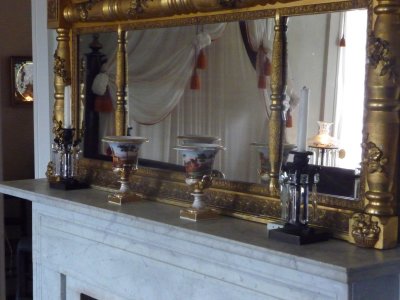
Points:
[(170, 95), (171, 92)]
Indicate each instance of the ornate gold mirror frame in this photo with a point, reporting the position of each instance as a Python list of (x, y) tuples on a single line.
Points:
[(370, 222)]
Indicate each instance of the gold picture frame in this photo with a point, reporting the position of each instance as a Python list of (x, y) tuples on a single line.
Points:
[(21, 80)]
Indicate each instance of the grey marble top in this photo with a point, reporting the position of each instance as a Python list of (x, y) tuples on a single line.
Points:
[(341, 257)]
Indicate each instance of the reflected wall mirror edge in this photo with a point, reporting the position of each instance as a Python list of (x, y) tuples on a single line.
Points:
[(248, 195)]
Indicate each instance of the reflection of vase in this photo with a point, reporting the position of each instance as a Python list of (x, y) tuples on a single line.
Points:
[(263, 153), (323, 139), (198, 160), (324, 146), (125, 153), (193, 139)]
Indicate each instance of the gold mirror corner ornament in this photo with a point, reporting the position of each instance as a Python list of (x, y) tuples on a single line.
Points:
[(55, 14), (369, 231)]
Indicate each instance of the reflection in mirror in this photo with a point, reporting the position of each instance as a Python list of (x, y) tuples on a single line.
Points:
[(213, 80), (337, 94), (335, 49), (176, 97)]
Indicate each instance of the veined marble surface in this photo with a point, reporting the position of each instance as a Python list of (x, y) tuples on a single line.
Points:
[(234, 252)]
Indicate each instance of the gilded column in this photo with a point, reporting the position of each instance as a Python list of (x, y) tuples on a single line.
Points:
[(121, 79), (381, 129), (278, 85), (62, 72)]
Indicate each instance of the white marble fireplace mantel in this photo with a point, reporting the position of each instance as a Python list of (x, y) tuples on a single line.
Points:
[(82, 244)]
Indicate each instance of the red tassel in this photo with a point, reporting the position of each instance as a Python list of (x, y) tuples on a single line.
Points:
[(202, 60), (289, 120), (103, 103), (342, 42), (262, 81), (195, 81), (267, 67)]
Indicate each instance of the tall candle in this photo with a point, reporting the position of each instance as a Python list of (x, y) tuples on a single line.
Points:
[(82, 93), (302, 119), (67, 107)]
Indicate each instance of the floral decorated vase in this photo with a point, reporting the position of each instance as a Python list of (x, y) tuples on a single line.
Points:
[(125, 149), (198, 159), (125, 153), (323, 139)]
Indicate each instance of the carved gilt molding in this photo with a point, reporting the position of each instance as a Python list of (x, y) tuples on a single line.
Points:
[(380, 52), (166, 13), (60, 68), (364, 231), (374, 159), (231, 198)]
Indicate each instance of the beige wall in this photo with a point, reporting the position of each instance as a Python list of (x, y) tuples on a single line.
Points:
[(16, 122)]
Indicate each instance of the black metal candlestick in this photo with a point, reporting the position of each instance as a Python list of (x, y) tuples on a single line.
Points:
[(298, 176), (65, 146)]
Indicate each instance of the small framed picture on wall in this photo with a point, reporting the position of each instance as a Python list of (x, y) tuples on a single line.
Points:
[(21, 80)]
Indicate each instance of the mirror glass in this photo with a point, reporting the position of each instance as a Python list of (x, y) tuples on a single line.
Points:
[(213, 80)]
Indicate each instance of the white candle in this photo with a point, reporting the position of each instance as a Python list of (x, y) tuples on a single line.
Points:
[(82, 93), (302, 119), (67, 107)]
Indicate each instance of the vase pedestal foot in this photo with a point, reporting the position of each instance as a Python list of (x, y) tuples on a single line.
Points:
[(195, 215), (122, 198)]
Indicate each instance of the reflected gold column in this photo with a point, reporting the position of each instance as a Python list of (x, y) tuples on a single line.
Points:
[(121, 79), (278, 85), (62, 72)]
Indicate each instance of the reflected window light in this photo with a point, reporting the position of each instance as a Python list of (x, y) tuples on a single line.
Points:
[(350, 82)]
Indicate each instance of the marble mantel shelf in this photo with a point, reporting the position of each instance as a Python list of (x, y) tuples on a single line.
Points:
[(332, 269)]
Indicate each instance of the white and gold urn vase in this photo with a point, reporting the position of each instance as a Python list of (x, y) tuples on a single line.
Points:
[(198, 160), (125, 154)]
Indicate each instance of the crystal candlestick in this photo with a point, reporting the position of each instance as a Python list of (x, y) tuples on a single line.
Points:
[(63, 169), (296, 179)]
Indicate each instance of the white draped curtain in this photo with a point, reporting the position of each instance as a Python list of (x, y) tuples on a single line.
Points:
[(160, 62), (259, 36)]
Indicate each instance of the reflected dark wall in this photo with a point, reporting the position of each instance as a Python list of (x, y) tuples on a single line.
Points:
[(337, 181), (94, 61)]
